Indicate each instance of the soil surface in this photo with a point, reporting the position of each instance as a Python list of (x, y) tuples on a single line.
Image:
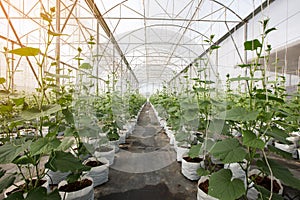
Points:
[(75, 186)]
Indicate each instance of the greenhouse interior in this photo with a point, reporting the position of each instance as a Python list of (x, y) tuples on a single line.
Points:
[(140, 99)]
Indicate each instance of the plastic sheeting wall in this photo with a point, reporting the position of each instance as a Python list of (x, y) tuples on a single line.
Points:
[(284, 16)]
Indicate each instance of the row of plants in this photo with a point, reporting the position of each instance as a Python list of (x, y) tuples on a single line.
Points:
[(226, 135), (59, 129)]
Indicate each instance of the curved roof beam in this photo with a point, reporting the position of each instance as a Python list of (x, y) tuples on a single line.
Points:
[(162, 52), (162, 25), (138, 46), (226, 7)]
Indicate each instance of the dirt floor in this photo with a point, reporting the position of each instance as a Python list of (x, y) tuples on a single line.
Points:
[(146, 167)]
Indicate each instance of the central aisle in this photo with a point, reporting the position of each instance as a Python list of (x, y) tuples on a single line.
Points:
[(146, 167)]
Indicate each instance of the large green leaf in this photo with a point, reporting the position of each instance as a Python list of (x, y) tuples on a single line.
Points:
[(26, 51), (278, 134), (41, 193), (228, 151), (238, 114), (34, 113), (64, 162), (68, 116), (7, 182), (194, 151), (251, 140), (280, 152), (15, 196), (269, 97), (280, 172), (252, 45), (24, 160), (223, 187), (202, 172), (9, 151), (44, 145), (65, 144)]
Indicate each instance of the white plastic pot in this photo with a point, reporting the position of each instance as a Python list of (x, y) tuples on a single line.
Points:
[(99, 174), (115, 144), (55, 177), (172, 139), (202, 195), (83, 194), (253, 193), (109, 155), (122, 134), (237, 171), (180, 152), (189, 169), (285, 147)]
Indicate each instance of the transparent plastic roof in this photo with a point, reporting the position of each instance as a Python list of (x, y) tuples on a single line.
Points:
[(158, 38), (161, 37)]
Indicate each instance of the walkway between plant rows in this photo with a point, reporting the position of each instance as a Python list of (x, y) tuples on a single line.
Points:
[(146, 167)]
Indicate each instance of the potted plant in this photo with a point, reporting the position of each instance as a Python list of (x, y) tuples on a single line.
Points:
[(257, 118)]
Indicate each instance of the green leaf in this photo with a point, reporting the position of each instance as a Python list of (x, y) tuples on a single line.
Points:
[(270, 97), (244, 65), (223, 187), (46, 17), (214, 47), (65, 144), (41, 193), (238, 114), (251, 140), (25, 51), (24, 160), (68, 116), (19, 101), (55, 34), (239, 78), (15, 196), (270, 30), (34, 113), (202, 172), (7, 182), (2, 172), (9, 151), (58, 75), (280, 152), (194, 151), (228, 151), (2, 80), (278, 134), (85, 66), (64, 162), (264, 194), (77, 58), (252, 45), (173, 109), (280, 172), (44, 145)]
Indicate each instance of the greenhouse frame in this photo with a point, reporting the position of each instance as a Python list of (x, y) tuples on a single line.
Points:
[(162, 99)]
